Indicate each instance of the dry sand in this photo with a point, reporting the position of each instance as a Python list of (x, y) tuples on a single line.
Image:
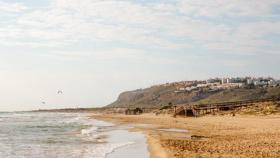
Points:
[(208, 136)]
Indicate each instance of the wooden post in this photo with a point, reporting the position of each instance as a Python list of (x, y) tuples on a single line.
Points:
[(175, 112), (195, 113)]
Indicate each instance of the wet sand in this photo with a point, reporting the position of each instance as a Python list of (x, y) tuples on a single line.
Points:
[(137, 144), (208, 136)]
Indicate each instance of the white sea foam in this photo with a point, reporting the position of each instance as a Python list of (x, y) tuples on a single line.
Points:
[(101, 151), (44, 135), (89, 131)]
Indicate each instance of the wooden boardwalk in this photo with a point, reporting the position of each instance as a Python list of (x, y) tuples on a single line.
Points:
[(198, 110)]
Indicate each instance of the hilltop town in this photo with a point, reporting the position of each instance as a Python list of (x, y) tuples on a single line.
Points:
[(225, 83)]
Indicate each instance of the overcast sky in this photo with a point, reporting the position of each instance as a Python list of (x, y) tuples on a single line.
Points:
[(95, 49)]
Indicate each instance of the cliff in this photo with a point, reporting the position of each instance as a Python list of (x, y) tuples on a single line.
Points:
[(162, 95)]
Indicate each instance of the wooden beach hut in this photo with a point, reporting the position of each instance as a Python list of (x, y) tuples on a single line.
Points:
[(134, 111)]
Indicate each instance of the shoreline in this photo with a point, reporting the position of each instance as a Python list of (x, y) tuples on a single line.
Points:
[(153, 143), (118, 140), (208, 136), (134, 142)]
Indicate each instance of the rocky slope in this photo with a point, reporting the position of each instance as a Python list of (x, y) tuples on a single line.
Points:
[(162, 95)]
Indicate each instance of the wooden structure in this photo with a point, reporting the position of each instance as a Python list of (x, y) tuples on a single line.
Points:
[(198, 110), (135, 111)]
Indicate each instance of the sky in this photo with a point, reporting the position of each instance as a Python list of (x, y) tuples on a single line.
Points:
[(93, 50)]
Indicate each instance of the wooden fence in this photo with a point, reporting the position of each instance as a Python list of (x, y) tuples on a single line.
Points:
[(201, 109)]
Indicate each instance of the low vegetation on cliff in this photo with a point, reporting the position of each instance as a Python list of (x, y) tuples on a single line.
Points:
[(163, 95)]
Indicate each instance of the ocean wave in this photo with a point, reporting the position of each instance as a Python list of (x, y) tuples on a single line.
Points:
[(73, 119), (90, 131), (106, 149), (59, 135)]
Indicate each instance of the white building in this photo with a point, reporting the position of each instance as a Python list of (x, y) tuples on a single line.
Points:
[(224, 80), (202, 85), (250, 81), (229, 80), (260, 83)]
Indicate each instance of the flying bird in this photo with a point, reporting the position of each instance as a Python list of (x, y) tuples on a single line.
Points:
[(59, 92)]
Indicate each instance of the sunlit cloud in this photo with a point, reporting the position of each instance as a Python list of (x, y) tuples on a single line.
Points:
[(12, 7)]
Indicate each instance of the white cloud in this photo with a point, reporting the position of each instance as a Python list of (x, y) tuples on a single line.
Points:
[(66, 22), (11, 7), (70, 21), (228, 7)]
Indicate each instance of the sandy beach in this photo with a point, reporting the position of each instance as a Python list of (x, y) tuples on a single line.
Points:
[(208, 136)]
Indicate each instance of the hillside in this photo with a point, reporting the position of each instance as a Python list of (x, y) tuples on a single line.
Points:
[(162, 95)]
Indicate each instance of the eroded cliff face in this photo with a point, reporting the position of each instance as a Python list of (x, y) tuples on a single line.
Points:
[(149, 97)]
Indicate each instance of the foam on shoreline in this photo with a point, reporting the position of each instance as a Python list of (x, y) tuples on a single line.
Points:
[(119, 141), (68, 135)]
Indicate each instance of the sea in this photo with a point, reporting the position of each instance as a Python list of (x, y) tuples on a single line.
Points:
[(66, 135)]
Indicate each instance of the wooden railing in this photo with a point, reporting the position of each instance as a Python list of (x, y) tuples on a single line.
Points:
[(200, 109)]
